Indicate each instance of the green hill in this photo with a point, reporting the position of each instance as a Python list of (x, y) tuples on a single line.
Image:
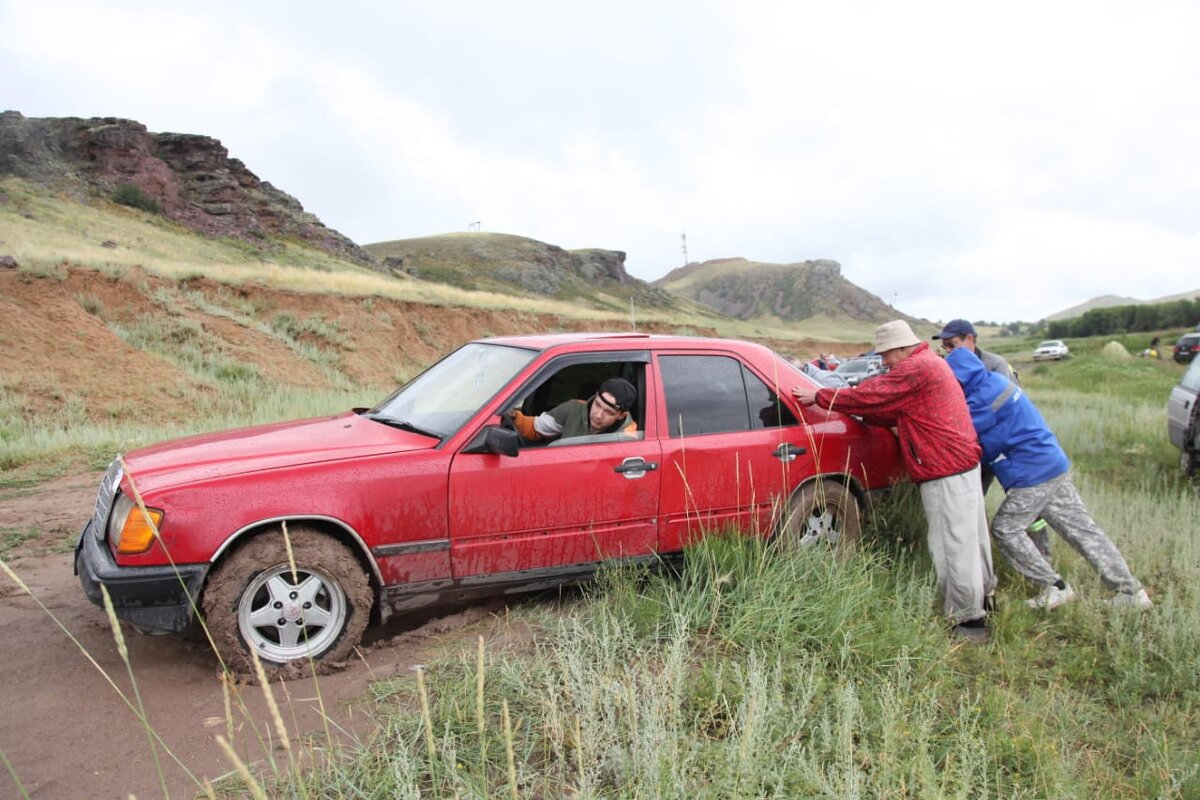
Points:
[(500, 262)]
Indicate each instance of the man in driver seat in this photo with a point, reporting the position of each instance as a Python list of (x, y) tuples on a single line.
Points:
[(607, 411)]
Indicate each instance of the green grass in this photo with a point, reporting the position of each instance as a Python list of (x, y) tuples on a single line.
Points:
[(765, 674), (757, 673)]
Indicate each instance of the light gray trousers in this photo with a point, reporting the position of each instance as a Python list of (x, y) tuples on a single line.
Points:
[(959, 543), (1058, 502)]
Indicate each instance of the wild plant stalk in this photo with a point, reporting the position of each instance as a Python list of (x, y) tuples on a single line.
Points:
[(281, 733), (427, 723), (13, 774), (510, 760), (480, 719), (4, 567), (123, 652), (248, 778)]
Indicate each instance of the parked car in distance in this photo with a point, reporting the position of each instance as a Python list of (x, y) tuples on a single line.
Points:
[(1187, 347), (1183, 420), (286, 539), (857, 369), (1051, 350)]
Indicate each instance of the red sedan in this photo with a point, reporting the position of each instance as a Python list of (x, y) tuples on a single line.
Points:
[(289, 538)]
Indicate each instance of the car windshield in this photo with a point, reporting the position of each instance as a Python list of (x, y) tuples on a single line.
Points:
[(442, 398), (1051, 343)]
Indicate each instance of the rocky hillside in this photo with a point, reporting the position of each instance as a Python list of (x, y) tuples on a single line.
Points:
[(509, 264), (790, 292), (187, 178)]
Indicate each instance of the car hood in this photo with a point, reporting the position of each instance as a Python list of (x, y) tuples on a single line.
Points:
[(263, 447)]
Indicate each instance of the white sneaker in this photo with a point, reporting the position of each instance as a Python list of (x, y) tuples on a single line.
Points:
[(1051, 597), (1140, 600)]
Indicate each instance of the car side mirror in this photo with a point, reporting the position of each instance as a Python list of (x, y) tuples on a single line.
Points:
[(496, 440)]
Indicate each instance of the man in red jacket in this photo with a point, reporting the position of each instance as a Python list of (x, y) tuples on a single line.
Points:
[(921, 398)]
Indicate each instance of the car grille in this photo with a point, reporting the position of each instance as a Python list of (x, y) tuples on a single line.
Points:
[(104, 500)]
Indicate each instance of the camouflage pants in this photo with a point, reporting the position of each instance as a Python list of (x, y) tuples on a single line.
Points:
[(1058, 502)]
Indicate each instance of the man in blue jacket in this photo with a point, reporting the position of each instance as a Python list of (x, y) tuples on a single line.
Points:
[(1035, 473)]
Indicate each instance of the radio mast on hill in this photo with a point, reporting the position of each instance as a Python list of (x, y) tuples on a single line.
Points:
[(683, 236)]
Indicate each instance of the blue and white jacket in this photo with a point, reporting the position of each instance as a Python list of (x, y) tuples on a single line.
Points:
[(1017, 445)]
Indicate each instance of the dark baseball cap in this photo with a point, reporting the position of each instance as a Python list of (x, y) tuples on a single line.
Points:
[(956, 327), (622, 392)]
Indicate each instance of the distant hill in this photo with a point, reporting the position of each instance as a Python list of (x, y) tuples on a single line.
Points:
[(753, 290), (509, 264), (1110, 300)]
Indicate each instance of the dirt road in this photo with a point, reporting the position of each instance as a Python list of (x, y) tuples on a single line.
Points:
[(65, 730)]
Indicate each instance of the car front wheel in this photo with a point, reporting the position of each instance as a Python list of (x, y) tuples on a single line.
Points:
[(256, 601), (822, 513)]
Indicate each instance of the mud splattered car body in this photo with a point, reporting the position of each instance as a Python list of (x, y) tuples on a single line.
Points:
[(288, 537)]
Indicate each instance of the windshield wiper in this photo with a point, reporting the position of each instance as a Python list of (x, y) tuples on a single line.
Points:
[(403, 425)]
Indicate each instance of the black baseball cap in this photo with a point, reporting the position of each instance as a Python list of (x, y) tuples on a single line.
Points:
[(621, 391)]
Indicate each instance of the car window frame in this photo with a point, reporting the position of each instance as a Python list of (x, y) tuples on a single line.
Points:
[(557, 363)]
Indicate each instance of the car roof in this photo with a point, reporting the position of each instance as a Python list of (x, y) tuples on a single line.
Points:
[(631, 340)]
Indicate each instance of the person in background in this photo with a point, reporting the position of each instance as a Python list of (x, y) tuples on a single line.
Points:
[(1035, 473), (825, 377), (920, 397), (960, 333)]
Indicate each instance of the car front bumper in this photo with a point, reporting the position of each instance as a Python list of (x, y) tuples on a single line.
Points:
[(152, 599)]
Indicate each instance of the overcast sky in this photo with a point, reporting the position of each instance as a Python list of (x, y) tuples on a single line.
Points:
[(997, 161)]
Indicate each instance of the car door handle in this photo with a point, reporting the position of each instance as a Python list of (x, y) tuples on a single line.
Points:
[(788, 451), (635, 467)]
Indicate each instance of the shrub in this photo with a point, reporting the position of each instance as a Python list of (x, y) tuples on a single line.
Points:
[(130, 195)]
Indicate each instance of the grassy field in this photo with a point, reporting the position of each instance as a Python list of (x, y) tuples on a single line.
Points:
[(757, 673)]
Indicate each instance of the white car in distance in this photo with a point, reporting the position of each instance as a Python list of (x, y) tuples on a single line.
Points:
[(1051, 350)]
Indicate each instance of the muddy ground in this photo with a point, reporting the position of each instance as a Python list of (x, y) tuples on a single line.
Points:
[(65, 730)]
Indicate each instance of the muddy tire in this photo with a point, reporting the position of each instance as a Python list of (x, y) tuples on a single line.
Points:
[(824, 513), (254, 601)]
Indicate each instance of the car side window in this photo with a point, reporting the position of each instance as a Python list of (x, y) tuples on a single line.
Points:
[(578, 381), (716, 394), (768, 411), (1191, 378)]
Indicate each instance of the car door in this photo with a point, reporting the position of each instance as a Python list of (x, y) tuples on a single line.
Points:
[(553, 507), (1181, 403), (726, 460)]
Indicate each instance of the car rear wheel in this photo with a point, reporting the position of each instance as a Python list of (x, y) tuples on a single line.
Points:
[(1188, 462), (254, 600), (822, 513)]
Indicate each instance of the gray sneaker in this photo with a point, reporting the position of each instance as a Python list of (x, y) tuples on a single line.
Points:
[(1139, 600), (1051, 597)]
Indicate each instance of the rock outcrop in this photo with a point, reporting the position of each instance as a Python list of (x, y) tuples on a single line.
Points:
[(188, 178), (790, 292)]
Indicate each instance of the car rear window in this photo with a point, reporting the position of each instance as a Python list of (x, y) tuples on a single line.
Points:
[(716, 394)]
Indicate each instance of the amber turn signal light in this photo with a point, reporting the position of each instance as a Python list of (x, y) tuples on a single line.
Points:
[(138, 532)]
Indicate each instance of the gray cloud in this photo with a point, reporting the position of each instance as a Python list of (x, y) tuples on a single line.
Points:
[(991, 162)]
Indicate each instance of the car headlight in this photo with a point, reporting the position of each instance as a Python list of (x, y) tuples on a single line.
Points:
[(129, 528)]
